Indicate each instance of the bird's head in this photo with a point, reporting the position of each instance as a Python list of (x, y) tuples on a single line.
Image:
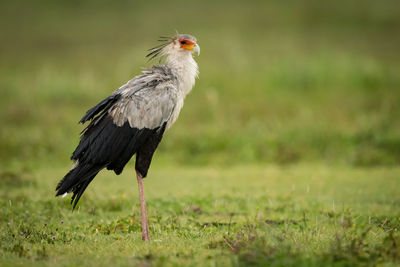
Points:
[(178, 45)]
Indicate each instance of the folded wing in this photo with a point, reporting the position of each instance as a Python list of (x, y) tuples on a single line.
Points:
[(130, 121)]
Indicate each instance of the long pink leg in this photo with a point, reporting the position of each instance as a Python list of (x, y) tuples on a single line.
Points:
[(145, 225)]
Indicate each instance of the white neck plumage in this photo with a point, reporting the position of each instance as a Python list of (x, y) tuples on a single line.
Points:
[(185, 68)]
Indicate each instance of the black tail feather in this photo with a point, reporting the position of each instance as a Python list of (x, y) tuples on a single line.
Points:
[(77, 180), (80, 189)]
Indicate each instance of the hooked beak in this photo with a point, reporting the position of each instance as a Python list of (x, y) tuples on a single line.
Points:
[(196, 48), (192, 46)]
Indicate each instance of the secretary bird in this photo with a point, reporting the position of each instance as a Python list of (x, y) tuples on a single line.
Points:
[(132, 120)]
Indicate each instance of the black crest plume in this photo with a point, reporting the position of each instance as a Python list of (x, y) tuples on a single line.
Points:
[(155, 51)]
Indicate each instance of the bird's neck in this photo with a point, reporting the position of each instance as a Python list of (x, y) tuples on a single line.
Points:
[(185, 68)]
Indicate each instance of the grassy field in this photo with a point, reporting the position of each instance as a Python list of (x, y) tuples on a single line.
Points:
[(287, 151), (299, 215)]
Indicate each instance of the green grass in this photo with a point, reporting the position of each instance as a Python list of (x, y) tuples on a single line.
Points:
[(298, 215), (287, 151)]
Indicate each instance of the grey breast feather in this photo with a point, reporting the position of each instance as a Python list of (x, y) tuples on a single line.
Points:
[(148, 100)]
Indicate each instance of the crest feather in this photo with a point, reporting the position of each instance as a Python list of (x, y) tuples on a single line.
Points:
[(155, 51)]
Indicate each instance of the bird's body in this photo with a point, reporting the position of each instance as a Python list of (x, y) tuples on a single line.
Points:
[(132, 120)]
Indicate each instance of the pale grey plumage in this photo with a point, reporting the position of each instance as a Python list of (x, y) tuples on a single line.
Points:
[(148, 100)]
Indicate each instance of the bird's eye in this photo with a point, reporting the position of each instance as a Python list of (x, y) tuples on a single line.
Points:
[(183, 42)]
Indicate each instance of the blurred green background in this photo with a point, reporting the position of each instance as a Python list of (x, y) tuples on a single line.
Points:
[(280, 81), (286, 153)]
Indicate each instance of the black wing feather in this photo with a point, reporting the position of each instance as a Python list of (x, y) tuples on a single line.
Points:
[(104, 105), (103, 145)]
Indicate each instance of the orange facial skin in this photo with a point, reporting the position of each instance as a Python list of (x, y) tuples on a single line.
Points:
[(186, 44)]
